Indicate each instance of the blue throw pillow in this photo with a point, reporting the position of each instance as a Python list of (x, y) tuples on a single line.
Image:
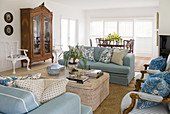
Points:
[(155, 86), (105, 56), (9, 80), (89, 54), (163, 75), (158, 64)]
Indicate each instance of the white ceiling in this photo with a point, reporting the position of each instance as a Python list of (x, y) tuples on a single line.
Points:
[(108, 4)]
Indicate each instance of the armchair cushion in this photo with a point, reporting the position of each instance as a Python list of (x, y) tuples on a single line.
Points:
[(155, 86), (158, 64)]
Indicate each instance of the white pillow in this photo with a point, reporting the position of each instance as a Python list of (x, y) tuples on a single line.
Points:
[(44, 89), (35, 86), (54, 89), (153, 71), (168, 63)]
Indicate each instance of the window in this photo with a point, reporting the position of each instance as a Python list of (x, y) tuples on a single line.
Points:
[(68, 33), (126, 28), (110, 27), (139, 29)]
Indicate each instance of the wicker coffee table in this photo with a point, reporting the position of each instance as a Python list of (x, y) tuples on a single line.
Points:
[(92, 92)]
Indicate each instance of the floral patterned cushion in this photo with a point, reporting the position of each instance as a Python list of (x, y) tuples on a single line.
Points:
[(155, 85), (158, 64), (10, 80), (89, 54), (105, 56)]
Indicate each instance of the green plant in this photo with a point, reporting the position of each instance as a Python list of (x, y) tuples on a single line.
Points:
[(74, 55)]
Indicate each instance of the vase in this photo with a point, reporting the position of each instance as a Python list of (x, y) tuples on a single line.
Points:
[(117, 43), (72, 67)]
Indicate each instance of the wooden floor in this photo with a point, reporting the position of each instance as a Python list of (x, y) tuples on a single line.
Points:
[(111, 105)]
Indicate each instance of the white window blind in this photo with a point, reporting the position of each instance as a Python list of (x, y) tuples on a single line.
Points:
[(126, 28)]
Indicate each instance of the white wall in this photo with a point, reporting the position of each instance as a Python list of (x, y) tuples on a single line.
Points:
[(131, 13), (164, 17), (14, 6)]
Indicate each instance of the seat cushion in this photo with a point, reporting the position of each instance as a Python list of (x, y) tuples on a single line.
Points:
[(112, 68), (17, 56), (19, 101)]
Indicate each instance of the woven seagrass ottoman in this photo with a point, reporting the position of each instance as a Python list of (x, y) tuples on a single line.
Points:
[(92, 92)]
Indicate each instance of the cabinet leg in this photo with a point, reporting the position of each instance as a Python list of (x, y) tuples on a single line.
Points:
[(44, 60), (30, 65)]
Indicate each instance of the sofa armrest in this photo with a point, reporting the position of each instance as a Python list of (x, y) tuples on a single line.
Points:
[(67, 103), (129, 60)]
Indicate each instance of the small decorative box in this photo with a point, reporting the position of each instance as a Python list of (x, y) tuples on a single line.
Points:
[(52, 71)]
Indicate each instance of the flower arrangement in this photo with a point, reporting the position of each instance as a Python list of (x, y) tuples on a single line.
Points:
[(114, 37), (74, 55)]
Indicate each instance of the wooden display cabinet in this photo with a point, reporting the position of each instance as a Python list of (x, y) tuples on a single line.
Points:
[(36, 33)]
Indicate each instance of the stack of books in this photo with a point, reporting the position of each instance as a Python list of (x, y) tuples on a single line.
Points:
[(94, 73), (78, 79)]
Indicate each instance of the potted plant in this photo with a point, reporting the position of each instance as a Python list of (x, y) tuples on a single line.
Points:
[(73, 56)]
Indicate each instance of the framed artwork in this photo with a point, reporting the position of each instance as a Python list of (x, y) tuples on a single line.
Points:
[(8, 30), (8, 17)]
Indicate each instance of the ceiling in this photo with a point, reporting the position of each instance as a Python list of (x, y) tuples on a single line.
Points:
[(108, 4)]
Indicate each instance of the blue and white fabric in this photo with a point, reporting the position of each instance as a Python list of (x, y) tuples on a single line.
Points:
[(17, 56), (17, 101), (89, 54), (155, 86), (105, 56), (10, 80), (158, 64)]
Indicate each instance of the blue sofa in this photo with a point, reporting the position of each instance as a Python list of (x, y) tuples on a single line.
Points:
[(118, 74), (15, 101)]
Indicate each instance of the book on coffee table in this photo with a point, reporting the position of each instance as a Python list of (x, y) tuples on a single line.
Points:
[(78, 79), (94, 73)]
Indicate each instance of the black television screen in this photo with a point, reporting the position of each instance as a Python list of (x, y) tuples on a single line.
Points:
[(164, 45)]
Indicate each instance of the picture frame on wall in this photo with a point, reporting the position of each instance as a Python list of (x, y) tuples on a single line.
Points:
[(8, 17)]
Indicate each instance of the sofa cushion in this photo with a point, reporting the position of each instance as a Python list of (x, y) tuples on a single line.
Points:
[(35, 86), (89, 54), (9, 80), (155, 86), (105, 56), (44, 89), (118, 56), (158, 64), (110, 67), (19, 101), (55, 88), (67, 103)]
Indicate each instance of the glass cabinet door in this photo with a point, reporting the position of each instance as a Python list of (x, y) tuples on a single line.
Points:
[(36, 35), (47, 36)]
